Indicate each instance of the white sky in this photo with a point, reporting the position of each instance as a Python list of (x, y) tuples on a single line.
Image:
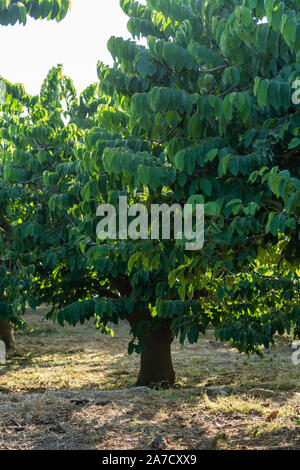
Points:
[(28, 52)]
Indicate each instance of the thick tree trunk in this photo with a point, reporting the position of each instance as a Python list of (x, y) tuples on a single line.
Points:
[(156, 359), (7, 333)]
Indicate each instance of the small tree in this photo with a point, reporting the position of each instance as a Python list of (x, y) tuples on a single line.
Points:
[(202, 114), (13, 11)]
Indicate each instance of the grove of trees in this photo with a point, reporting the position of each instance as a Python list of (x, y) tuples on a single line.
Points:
[(203, 110)]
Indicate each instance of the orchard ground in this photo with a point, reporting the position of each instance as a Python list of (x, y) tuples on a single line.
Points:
[(54, 394)]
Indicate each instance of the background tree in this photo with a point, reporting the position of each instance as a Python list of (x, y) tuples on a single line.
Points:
[(201, 114), (12, 12)]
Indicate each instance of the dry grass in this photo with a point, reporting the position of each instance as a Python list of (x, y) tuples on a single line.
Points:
[(48, 395)]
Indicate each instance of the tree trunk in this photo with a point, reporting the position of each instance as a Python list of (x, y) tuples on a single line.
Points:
[(7, 333), (156, 359)]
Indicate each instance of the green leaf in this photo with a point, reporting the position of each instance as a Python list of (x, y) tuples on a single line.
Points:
[(212, 208), (210, 156), (290, 31), (180, 160)]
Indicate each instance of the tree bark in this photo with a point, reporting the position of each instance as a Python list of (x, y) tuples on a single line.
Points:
[(156, 359), (7, 333)]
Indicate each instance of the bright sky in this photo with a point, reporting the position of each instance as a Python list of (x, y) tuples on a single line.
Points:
[(28, 52)]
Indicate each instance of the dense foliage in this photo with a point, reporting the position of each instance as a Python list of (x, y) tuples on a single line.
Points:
[(202, 112), (13, 11)]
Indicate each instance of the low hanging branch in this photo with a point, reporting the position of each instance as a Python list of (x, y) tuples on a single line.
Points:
[(216, 69)]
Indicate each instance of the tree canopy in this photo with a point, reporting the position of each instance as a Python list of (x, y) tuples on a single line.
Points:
[(204, 110)]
